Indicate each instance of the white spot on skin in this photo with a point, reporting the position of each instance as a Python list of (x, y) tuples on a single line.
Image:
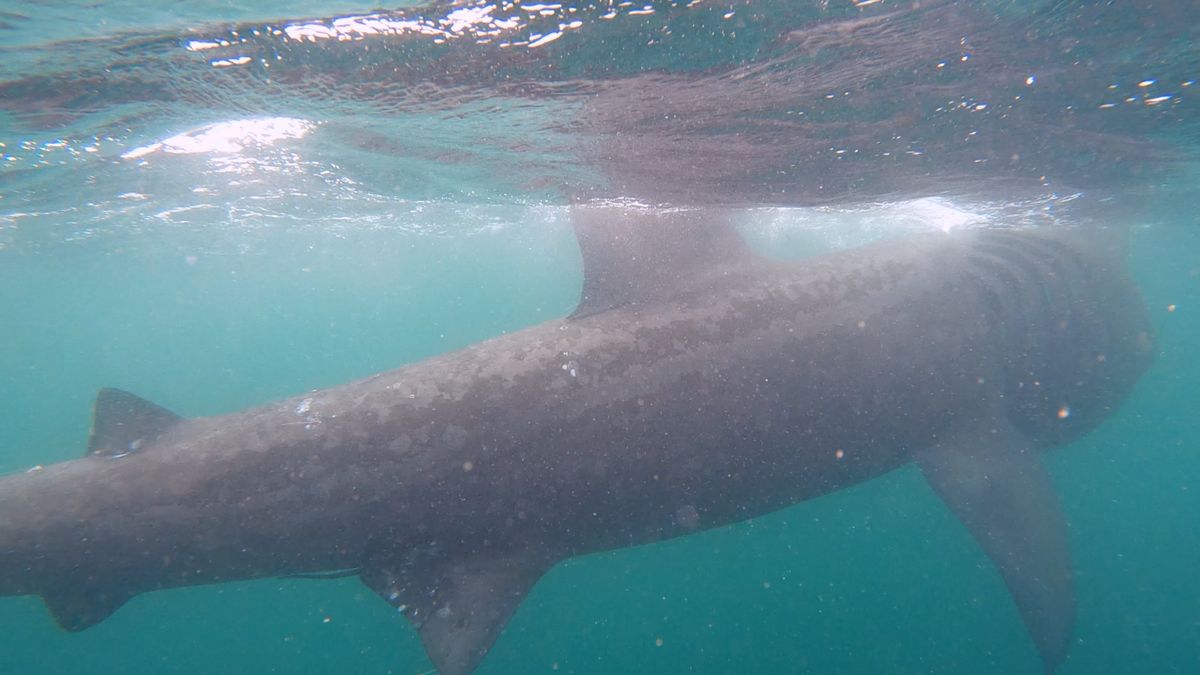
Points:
[(687, 517), (304, 406)]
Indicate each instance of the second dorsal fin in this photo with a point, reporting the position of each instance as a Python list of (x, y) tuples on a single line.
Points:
[(636, 254), (123, 423)]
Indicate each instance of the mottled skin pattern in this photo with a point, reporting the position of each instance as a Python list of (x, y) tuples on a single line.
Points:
[(756, 386)]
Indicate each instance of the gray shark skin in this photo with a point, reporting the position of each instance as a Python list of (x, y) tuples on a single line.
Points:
[(695, 386)]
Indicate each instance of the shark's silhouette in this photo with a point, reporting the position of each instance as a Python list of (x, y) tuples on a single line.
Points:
[(695, 385)]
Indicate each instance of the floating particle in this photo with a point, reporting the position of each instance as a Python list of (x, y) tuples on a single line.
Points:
[(839, 453), (468, 466), (658, 642), (326, 620), (1064, 412), (1171, 308)]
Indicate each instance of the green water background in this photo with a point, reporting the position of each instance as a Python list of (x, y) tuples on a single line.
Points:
[(879, 578)]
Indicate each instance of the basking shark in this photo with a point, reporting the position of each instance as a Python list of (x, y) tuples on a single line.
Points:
[(696, 384)]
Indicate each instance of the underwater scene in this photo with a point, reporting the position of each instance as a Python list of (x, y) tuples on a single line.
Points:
[(668, 336)]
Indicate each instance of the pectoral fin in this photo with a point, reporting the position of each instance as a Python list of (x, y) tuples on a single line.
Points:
[(458, 605), (995, 483)]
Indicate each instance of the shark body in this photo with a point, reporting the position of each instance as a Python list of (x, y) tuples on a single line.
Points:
[(696, 385)]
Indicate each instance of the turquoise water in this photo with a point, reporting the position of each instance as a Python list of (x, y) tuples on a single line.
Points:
[(381, 229)]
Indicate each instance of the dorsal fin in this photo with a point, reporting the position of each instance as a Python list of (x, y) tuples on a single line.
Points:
[(75, 609), (458, 606), (123, 423), (636, 254)]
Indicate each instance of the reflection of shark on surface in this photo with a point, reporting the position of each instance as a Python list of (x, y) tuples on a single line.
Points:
[(695, 385)]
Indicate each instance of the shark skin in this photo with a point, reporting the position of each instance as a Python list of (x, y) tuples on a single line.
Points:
[(697, 385)]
